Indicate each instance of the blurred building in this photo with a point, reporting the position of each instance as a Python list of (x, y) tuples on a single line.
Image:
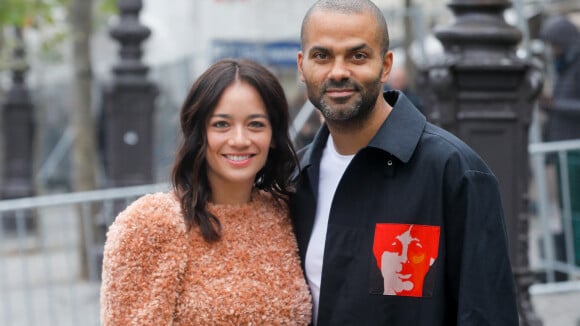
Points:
[(188, 35)]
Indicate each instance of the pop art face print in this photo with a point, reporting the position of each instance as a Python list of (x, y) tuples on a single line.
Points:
[(404, 253)]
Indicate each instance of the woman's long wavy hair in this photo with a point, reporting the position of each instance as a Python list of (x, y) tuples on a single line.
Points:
[(189, 176)]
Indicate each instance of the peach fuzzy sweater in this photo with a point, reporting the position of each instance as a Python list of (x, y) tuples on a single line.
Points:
[(155, 273)]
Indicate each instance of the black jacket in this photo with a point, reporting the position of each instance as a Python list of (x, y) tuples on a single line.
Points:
[(411, 173)]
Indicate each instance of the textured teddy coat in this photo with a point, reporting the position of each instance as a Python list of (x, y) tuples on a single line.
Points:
[(156, 273)]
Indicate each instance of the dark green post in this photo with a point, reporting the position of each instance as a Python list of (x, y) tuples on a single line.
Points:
[(17, 135)]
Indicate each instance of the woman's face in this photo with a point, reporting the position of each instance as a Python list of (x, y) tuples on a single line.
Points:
[(239, 135)]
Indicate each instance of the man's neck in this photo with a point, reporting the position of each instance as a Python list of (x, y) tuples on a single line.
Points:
[(349, 140)]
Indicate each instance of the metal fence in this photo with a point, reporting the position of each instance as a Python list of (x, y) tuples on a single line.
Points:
[(556, 180), (44, 279), (50, 251)]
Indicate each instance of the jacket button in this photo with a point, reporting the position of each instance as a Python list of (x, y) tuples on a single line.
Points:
[(389, 162)]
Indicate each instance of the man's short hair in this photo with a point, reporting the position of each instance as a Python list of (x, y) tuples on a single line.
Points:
[(350, 7)]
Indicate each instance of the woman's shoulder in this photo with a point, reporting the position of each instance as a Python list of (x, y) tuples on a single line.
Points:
[(158, 212)]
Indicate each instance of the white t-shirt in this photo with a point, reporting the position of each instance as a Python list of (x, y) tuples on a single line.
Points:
[(332, 167)]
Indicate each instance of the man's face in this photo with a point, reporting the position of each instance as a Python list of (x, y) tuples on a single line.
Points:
[(342, 64)]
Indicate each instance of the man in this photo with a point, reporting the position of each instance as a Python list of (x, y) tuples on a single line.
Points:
[(564, 105), (563, 108), (376, 166)]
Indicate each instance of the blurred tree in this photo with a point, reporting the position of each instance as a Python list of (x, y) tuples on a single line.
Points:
[(84, 155), (84, 151)]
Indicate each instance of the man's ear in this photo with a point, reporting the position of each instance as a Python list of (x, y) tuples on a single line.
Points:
[(387, 65), (299, 64)]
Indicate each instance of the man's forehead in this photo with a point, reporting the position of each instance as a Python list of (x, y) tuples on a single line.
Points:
[(335, 25)]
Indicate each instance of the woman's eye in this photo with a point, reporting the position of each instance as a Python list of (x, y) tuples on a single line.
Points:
[(257, 124), (220, 124)]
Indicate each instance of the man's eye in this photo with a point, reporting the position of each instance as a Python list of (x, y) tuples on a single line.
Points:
[(320, 56), (359, 56)]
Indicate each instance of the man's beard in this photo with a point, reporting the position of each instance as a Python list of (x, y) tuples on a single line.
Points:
[(350, 114)]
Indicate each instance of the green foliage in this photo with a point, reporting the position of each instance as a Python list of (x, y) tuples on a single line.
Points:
[(40, 13), (108, 7), (12, 12), (26, 13), (49, 50), (105, 9), (48, 17)]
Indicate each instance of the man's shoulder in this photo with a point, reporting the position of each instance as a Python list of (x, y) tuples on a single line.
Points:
[(441, 144), (446, 138)]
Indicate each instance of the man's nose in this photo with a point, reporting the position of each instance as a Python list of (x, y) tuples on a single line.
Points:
[(339, 70)]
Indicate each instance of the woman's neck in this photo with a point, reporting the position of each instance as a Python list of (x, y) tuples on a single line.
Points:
[(231, 194)]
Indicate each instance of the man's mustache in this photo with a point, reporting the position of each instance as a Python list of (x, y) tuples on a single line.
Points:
[(343, 84)]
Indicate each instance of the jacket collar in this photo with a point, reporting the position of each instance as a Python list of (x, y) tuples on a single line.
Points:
[(398, 135)]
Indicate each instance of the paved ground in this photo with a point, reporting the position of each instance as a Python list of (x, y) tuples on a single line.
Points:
[(558, 309), (77, 304), (50, 298)]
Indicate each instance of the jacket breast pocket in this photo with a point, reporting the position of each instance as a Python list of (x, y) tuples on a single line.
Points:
[(403, 255)]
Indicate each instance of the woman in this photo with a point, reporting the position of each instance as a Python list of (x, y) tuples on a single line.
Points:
[(219, 248)]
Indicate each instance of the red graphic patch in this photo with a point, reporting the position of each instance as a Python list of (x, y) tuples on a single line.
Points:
[(404, 254)]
